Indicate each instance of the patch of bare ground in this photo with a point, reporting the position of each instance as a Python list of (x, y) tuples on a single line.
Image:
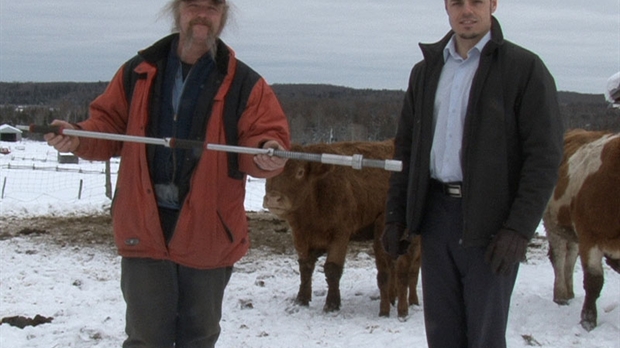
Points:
[(266, 230), (267, 233)]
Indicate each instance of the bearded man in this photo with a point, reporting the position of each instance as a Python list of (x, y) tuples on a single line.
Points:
[(178, 215)]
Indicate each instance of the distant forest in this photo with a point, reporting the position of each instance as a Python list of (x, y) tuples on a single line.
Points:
[(317, 113)]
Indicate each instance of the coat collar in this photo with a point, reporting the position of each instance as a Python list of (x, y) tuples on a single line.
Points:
[(160, 49), (434, 51)]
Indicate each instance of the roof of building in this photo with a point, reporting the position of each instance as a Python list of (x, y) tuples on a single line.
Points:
[(5, 128)]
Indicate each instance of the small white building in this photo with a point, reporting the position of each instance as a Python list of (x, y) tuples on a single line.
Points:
[(10, 133)]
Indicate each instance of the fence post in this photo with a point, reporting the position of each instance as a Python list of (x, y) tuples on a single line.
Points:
[(80, 192), (3, 186), (108, 180)]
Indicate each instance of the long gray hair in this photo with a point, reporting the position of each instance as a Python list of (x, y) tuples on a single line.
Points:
[(172, 9)]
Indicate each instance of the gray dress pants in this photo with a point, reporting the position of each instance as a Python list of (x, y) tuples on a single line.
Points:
[(465, 304)]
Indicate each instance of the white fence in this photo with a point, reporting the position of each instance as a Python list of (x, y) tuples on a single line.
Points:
[(33, 182)]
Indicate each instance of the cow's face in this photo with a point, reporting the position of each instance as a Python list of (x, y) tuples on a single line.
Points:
[(282, 191), (288, 191)]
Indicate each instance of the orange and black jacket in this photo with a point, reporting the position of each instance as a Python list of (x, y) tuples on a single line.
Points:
[(211, 230)]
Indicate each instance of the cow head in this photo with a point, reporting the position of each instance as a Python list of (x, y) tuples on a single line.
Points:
[(288, 191)]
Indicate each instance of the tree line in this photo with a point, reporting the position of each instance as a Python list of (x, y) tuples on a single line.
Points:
[(317, 113)]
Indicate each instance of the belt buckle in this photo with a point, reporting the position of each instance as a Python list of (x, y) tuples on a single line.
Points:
[(453, 190)]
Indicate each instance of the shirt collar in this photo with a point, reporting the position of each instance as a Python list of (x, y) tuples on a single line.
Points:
[(450, 49)]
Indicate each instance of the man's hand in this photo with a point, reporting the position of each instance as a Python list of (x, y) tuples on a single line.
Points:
[(507, 248), (392, 240), (270, 163), (62, 143)]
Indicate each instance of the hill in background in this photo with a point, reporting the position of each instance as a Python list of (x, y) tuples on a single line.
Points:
[(316, 112)]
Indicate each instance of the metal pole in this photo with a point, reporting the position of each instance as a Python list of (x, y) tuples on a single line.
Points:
[(356, 161), (108, 180), (95, 135), (80, 189)]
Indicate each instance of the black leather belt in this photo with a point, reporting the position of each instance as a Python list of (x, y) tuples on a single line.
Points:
[(452, 189)]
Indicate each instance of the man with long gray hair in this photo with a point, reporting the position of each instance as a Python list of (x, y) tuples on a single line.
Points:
[(178, 215)]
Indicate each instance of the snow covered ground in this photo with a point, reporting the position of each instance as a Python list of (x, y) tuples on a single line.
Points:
[(79, 287)]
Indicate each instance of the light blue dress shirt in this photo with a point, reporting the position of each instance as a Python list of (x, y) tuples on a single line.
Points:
[(450, 109)]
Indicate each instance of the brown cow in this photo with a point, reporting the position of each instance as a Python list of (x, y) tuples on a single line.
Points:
[(397, 279), (325, 205), (583, 216)]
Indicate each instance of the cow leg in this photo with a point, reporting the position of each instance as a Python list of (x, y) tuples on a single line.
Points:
[(558, 248), (613, 263), (592, 263), (386, 288), (385, 268), (407, 271), (414, 271), (334, 265), (569, 267), (402, 284), (386, 271), (333, 273), (306, 268)]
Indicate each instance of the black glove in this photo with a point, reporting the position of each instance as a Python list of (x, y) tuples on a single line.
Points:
[(506, 248), (392, 240)]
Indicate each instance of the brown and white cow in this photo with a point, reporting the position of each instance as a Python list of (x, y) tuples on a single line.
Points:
[(583, 216), (326, 205)]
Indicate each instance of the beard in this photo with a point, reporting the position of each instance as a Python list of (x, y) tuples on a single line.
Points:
[(209, 43), (470, 36)]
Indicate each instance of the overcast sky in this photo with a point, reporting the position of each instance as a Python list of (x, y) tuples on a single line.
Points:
[(354, 43)]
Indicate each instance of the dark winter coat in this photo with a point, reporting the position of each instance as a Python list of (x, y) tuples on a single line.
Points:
[(512, 142)]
